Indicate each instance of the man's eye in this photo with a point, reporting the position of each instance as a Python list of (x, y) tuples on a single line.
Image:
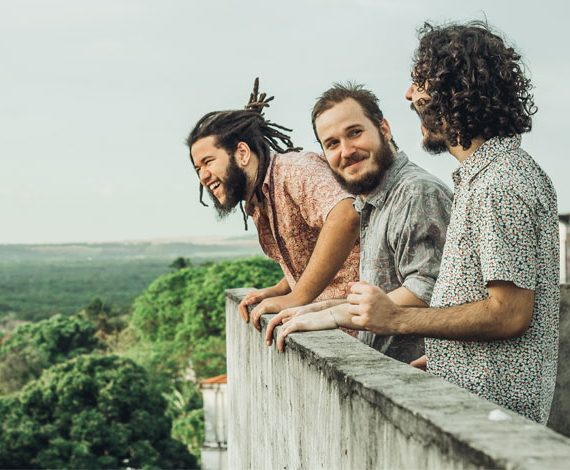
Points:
[(355, 132), (332, 145)]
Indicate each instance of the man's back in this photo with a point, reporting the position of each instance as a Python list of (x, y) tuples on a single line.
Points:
[(504, 227)]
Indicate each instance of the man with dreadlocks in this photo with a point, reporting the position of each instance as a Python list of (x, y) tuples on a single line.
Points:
[(305, 220), (493, 325)]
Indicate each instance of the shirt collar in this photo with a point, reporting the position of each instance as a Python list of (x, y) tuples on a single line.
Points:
[(265, 184), (387, 180), (483, 156)]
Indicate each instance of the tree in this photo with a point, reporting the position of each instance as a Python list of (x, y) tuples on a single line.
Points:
[(181, 316), (34, 347), (93, 411), (181, 263)]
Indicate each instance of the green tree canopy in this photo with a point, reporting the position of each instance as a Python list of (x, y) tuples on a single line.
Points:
[(34, 347), (182, 314), (90, 412)]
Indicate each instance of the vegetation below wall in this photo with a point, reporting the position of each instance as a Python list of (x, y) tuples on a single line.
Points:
[(119, 388)]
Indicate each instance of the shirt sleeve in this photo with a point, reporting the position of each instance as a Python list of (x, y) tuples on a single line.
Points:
[(507, 237), (313, 189), (419, 233)]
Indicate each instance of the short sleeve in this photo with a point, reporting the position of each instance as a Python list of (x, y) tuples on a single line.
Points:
[(507, 237), (419, 233), (313, 189)]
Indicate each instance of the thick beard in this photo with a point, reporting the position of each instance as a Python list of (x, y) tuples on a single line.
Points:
[(235, 185), (384, 157)]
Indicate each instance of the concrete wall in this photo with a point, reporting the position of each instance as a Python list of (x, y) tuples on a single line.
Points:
[(560, 412), (564, 255), (332, 402)]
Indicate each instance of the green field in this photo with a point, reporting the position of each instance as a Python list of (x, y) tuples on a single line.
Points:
[(37, 281)]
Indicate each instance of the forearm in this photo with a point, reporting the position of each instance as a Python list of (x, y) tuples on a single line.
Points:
[(336, 240), (477, 321), (282, 287)]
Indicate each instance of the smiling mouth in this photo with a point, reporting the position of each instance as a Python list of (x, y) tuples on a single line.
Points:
[(213, 187), (352, 162)]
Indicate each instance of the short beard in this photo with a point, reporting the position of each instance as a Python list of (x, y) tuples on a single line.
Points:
[(434, 143), (235, 185), (384, 157), (431, 143)]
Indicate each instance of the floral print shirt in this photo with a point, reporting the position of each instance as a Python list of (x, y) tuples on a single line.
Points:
[(504, 227), (300, 191)]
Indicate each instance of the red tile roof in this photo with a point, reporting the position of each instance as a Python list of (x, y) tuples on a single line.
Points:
[(220, 379)]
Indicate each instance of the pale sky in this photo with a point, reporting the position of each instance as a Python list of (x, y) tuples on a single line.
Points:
[(99, 96)]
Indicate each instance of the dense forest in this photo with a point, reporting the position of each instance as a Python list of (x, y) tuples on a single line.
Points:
[(117, 387)]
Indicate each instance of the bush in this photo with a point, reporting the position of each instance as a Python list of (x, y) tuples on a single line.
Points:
[(90, 412), (34, 347), (181, 316)]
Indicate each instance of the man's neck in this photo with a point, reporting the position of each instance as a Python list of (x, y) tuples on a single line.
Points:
[(463, 154)]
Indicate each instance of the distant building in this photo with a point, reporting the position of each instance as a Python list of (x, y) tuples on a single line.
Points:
[(214, 449), (564, 226)]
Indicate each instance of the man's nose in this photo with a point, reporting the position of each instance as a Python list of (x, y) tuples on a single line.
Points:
[(204, 175), (346, 148), (410, 92)]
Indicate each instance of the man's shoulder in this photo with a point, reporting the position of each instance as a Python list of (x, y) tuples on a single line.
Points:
[(415, 180), (298, 159), (514, 172)]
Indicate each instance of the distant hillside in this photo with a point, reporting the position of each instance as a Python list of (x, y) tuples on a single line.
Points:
[(37, 281), (140, 250)]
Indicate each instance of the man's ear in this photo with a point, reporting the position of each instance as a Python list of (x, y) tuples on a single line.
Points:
[(384, 128), (243, 154)]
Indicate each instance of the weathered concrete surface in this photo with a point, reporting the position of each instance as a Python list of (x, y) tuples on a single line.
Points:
[(560, 412), (332, 402)]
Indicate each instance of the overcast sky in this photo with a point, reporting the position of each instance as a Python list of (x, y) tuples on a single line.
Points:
[(98, 97)]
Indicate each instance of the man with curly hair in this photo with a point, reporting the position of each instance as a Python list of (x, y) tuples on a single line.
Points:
[(493, 323)]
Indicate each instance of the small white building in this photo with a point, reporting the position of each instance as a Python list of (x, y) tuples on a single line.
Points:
[(214, 449)]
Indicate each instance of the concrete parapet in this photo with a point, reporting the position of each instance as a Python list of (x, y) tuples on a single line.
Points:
[(332, 402)]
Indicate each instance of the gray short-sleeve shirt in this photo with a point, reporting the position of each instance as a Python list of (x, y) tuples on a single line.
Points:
[(402, 233), (504, 227)]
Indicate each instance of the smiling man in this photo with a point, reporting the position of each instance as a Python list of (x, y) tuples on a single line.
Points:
[(304, 219), (404, 212), (494, 326)]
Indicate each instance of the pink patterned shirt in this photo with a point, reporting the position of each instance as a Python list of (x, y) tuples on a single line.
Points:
[(300, 191)]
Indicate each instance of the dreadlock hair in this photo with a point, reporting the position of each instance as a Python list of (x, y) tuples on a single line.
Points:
[(476, 83), (250, 126), (340, 92)]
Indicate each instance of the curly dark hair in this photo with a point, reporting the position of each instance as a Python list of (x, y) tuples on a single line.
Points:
[(475, 81)]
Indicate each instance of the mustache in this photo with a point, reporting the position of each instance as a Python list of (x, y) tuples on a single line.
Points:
[(352, 159)]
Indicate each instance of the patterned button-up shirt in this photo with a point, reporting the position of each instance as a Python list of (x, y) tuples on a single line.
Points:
[(300, 191), (402, 234), (504, 227)]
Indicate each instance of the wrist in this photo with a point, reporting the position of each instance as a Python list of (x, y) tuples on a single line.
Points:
[(401, 321)]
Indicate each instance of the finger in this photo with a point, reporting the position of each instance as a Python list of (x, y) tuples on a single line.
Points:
[(243, 312), (256, 315), (360, 287), (355, 299), (273, 323), (353, 283), (281, 339), (359, 322), (253, 298)]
